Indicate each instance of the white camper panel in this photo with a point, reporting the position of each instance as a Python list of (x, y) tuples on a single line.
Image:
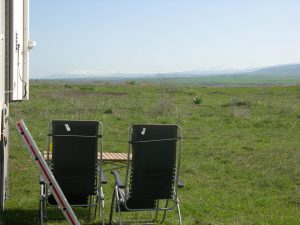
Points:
[(19, 50), (3, 113), (4, 159), (2, 59)]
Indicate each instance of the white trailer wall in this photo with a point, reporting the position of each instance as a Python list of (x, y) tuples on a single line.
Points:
[(14, 79), (2, 59), (19, 82), (3, 111)]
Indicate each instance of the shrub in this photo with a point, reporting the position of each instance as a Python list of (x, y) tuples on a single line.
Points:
[(108, 111), (197, 101), (87, 88), (163, 107), (67, 85), (131, 82), (165, 103), (235, 102)]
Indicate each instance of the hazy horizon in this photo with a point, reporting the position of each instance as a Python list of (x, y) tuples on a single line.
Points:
[(284, 70)]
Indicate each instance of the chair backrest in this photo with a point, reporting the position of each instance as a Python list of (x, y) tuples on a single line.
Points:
[(153, 166), (74, 156)]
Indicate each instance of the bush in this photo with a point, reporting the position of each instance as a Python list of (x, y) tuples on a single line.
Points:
[(197, 101), (87, 88), (108, 111), (131, 82), (67, 85)]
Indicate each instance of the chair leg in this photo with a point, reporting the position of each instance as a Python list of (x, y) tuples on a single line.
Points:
[(97, 205), (119, 206), (102, 212), (178, 211), (41, 213), (156, 212), (165, 212), (120, 213), (89, 216), (112, 207), (42, 206), (102, 206)]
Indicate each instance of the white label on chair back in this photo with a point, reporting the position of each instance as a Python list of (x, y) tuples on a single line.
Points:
[(143, 131), (67, 127)]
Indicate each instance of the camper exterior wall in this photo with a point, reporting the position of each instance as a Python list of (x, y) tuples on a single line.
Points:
[(19, 50), (14, 78), (3, 104), (26, 42), (2, 59)]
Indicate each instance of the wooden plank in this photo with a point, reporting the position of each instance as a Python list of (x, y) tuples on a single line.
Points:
[(116, 156), (45, 155), (106, 156)]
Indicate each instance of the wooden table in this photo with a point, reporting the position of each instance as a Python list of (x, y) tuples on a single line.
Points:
[(106, 157), (113, 157)]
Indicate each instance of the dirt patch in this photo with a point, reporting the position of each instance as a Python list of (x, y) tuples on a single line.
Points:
[(237, 103), (218, 93), (86, 94)]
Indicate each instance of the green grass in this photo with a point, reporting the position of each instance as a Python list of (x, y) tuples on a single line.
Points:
[(240, 80), (241, 146)]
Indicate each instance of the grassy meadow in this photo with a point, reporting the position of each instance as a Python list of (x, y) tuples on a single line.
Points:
[(241, 146)]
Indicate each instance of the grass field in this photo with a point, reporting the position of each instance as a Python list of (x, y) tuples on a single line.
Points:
[(241, 80), (241, 146)]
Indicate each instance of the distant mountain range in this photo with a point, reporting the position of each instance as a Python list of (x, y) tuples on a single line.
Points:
[(278, 70), (290, 69)]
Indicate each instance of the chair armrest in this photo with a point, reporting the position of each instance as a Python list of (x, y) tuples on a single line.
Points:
[(180, 183), (118, 179), (103, 178)]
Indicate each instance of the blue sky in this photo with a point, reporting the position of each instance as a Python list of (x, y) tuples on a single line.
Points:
[(145, 36)]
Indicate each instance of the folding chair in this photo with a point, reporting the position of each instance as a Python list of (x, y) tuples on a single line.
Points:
[(72, 155), (152, 175)]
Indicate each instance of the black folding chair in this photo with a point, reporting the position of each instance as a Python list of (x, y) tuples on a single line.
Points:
[(72, 155), (152, 175)]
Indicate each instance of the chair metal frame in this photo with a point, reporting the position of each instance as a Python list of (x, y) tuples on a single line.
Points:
[(94, 201), (121, 191)]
